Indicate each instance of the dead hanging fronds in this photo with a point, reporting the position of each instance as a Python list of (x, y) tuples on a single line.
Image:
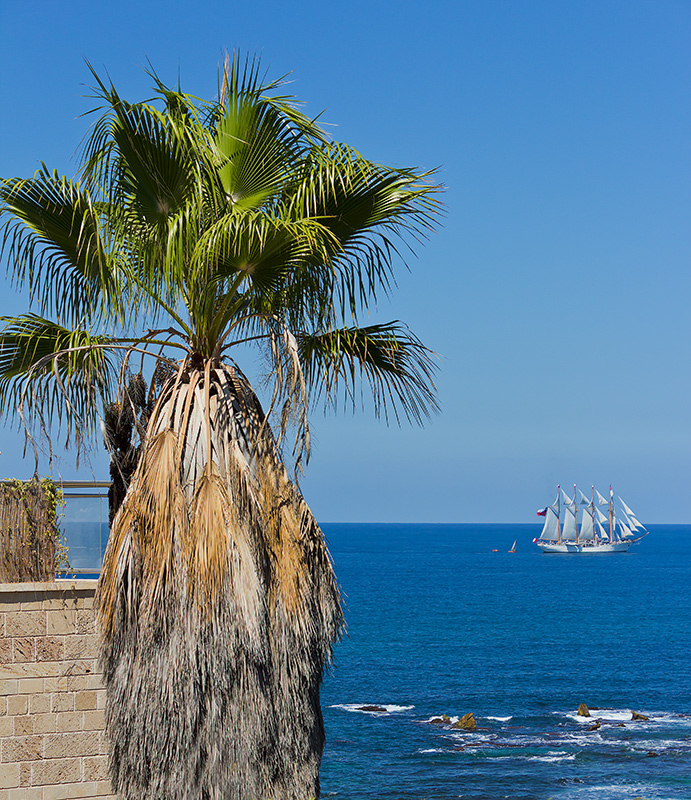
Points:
[(210, 495), (207, 558), (217, 596), (221, 557), (290, 387), (151, 519), (161, 509), (119, 582)]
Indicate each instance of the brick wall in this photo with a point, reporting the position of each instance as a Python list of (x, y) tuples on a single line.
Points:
[(52, 740)]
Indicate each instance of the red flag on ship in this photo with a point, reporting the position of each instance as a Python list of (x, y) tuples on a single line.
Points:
[(543, 512)]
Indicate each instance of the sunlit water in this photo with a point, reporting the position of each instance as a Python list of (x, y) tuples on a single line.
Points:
[(439, 624)]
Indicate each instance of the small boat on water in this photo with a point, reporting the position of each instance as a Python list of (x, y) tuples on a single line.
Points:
[(513, 547), (597, 532)]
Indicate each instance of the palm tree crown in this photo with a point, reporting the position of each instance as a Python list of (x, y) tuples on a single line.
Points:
[(195, 226)]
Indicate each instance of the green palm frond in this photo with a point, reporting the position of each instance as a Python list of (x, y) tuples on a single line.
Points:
[(258, 138), (255, 151), (53, 236), (49, 372), (156, 176), (261, 246), (143, 155), (388, 358), (368, 209), (243, 79)]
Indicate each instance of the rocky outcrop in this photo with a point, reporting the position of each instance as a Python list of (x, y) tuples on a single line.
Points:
[(583, 710), (466, 723), (636, 715), (377, 709), (443, 720), (594, 727)]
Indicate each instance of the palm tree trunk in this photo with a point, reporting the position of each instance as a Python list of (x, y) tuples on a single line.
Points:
[(218, 608)]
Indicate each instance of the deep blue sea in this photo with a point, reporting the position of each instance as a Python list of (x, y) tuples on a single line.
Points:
[(440, 624)]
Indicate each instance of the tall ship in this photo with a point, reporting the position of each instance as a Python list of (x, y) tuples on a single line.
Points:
[(580, 524)]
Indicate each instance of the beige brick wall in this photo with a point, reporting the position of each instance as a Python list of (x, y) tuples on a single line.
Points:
[(52, 740)]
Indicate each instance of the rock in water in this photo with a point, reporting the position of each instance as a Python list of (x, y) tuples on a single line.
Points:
[(466, 722), (378, 709), (636, 715), (595, 726), (583, 710)]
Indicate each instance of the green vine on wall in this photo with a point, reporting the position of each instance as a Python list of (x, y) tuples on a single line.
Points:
[(29, 511)]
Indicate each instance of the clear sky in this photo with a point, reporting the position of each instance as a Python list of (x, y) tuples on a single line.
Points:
[(557, 290)]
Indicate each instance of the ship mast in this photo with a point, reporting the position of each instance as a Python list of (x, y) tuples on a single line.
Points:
[(596, 537), (558, 514), (611, 515), (575, 512)]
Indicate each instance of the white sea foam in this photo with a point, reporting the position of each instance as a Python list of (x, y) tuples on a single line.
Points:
[(388, 708), (474, 740), (605, 714), (643, 745), (550, 759), (670, 718), (625, 791), (498, 719), (526, 741), (547, 759), (449, 720), (584, 739)]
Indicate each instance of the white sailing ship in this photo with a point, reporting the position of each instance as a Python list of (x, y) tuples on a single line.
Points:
[(613, 532)]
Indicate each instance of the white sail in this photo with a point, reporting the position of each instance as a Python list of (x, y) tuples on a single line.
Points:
[(633, 523), (601, 517), (585, 501), (626, 521), (550, 528), (586, 531), (568, 502), (601, 532), (624, 531), (569, 530), (600, 499), (626, 508)]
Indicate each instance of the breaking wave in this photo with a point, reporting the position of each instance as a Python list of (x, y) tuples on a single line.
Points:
[(372, 708)]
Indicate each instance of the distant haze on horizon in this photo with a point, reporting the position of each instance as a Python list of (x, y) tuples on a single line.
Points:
[(556, 290)]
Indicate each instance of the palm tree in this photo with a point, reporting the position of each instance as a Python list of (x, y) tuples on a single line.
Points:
[(193, 228)]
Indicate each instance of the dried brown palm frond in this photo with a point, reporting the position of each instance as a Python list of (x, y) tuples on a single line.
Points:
[(218, 606)]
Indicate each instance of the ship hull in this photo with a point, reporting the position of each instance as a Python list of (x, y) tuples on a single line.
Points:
[(585, 549)]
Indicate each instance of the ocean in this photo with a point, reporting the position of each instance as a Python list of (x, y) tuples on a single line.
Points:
[(438, 624)]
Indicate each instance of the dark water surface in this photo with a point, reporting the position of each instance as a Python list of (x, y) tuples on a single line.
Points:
[(439, 624)]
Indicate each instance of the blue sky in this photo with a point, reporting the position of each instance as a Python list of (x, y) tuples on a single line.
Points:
[(556, 290)]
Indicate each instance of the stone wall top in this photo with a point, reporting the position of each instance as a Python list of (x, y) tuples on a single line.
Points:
[(61, 585)]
